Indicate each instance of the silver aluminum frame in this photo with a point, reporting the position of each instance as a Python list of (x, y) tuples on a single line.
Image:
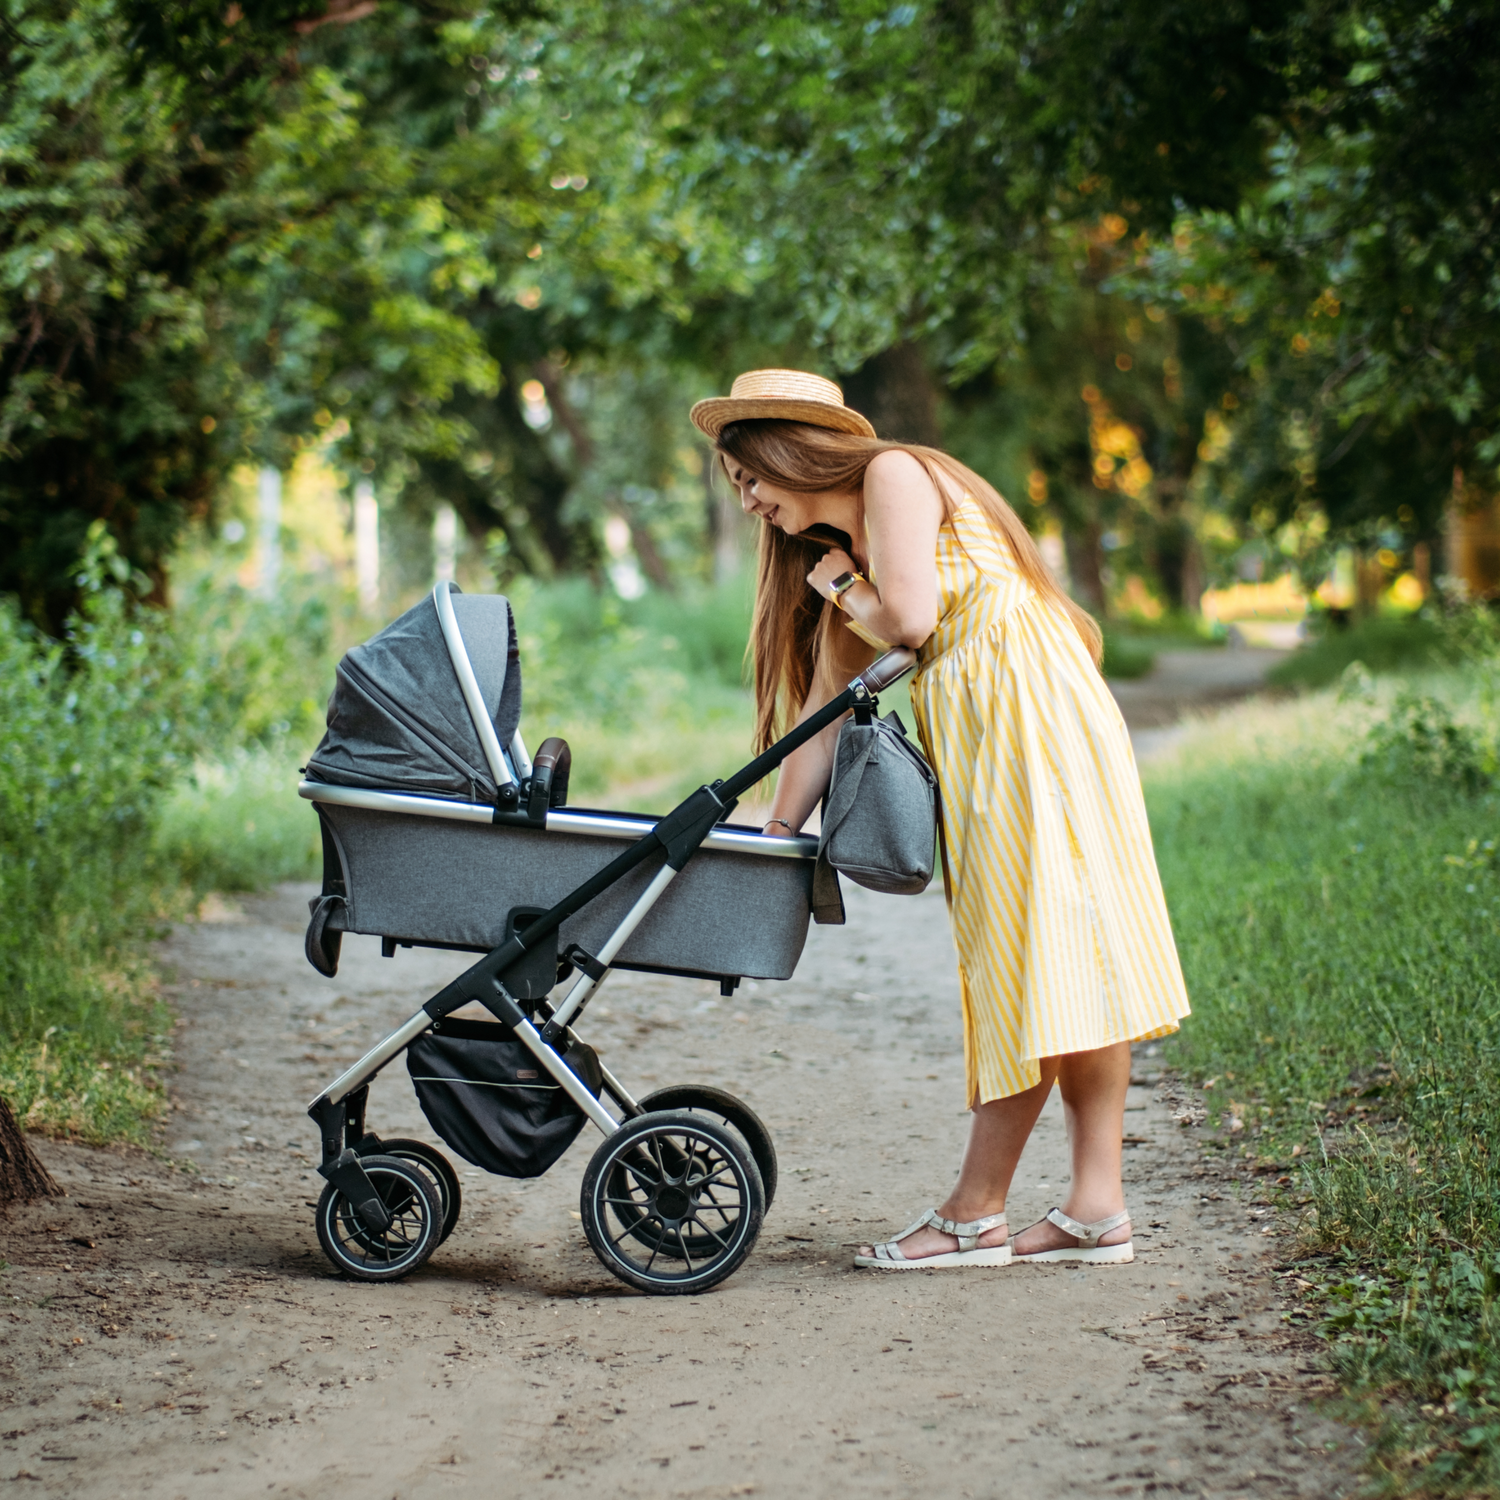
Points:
[(468, 684), (599, 825)]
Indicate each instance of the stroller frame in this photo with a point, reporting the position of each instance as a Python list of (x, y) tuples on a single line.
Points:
[(350, 1162)]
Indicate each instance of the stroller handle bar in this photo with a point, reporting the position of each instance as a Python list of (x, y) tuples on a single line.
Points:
[(885, 670)]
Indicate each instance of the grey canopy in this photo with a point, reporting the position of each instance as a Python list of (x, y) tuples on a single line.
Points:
[(398, 718)]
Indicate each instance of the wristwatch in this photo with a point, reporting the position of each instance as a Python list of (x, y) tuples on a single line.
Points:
[(841, 586)]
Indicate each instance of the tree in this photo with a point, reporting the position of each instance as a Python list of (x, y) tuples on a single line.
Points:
[(1358, 286), (23, 1177)]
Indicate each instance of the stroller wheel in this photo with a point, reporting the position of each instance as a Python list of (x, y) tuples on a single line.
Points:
[(718, 1104), (440, 1169), (672, 1202), (412, 1199)]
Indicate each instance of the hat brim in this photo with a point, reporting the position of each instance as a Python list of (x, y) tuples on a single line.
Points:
[(715, 414)]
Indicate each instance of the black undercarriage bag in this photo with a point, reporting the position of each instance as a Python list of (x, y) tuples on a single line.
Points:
[(490, 1099)]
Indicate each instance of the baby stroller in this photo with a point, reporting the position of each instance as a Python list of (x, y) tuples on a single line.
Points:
[(439, 830)]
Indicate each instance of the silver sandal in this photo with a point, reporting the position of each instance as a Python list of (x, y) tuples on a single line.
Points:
[(888, 1257), (1088, 1247)]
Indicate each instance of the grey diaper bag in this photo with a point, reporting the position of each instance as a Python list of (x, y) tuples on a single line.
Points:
[(880, 820)]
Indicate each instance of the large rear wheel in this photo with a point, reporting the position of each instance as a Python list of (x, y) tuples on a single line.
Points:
[(672, 1202), (721, 1105)]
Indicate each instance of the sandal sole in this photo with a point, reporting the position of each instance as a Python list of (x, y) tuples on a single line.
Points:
[(950, 1260), (1100, 1255)]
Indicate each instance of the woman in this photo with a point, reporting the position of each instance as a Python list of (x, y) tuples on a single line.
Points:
[(1065, 951)]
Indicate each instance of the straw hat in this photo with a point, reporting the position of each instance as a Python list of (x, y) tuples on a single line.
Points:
[(792, 395)]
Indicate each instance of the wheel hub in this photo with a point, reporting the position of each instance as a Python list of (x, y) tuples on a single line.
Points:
[(673, 1202)]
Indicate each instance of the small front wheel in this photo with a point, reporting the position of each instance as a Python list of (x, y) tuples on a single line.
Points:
[(440, 1169), (410, 1197), (672, 1203)]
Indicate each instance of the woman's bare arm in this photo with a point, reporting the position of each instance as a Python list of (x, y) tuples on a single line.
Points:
[(805, 773), (903, 513)]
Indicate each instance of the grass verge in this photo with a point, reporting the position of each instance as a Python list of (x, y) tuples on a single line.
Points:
[(1385, 643), (1331, 869)]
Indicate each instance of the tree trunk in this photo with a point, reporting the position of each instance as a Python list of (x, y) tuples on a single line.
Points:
[(22, 1175), (895, 390), (1086, 567), (648, 554)]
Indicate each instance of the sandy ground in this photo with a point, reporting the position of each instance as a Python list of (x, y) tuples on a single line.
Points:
[(173, 1333)]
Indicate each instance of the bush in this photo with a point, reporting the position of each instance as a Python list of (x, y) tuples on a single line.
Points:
[(236, 823), (1402, 643), (91, 734), (1124, 657)]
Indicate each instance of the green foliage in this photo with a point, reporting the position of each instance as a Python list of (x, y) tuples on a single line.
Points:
[(1356, 281), (236, 823), (1381, 644), (647, 693), (92, 731), (1126, 657), (73, 1084), (1419, 740), (102, 377), (1333, 884)]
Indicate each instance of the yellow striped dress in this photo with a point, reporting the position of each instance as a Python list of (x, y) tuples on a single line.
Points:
[(1062, 933)]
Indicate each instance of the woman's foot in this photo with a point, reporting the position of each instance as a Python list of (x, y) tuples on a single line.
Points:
[(1047, 1239), (923, 1241)]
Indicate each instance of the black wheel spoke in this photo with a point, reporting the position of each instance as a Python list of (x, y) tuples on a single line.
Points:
[(722, 1244), (668, 1202)]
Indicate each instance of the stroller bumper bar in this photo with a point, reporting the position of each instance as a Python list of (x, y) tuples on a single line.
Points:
[(599, 825)]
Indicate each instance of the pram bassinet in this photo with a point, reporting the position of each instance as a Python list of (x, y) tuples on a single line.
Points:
[(422, 846)]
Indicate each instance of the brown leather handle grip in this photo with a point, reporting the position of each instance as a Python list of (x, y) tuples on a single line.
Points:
[(885, 670), (550, 768), (552, 750)]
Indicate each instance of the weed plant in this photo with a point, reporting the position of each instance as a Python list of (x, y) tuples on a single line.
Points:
[(1331, 870)]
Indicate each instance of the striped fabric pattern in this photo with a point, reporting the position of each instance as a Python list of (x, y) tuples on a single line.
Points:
[(1063, 938)]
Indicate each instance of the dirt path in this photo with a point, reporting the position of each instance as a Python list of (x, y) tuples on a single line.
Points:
[(170, 1333)]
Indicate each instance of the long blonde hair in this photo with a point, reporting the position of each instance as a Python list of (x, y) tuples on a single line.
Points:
[(792, 631)]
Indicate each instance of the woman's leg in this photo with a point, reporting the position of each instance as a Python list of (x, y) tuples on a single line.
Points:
[(1093, 1086), (998, 1133)]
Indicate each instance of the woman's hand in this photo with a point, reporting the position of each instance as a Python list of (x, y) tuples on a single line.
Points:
[(830, 566)]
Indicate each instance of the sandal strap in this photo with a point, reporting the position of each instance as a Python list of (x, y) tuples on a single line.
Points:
[(966, 1233), (1087, 1235)]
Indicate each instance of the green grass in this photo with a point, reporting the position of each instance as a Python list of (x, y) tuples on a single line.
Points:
[(1383, 643), (237, 823), (1332, 876), (88, 742)]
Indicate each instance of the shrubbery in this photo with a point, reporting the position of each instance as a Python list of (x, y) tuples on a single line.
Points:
[(91, 735)]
